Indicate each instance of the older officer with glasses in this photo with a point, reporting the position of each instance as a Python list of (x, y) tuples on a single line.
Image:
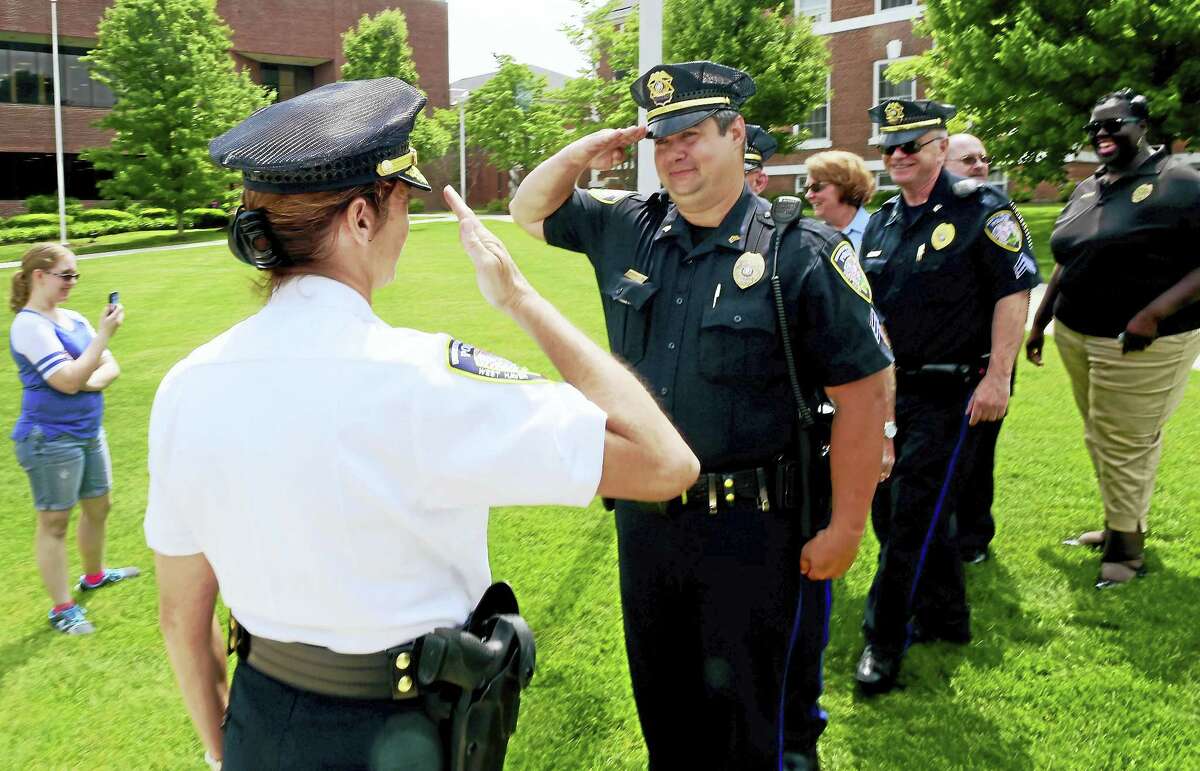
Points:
[(951, 266), (966, 157)]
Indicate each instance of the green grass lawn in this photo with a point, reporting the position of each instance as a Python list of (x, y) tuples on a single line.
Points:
[(1060, 676), (117, 241)]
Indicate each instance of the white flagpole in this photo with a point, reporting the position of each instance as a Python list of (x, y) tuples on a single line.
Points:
[(58, 142), (650, 16)]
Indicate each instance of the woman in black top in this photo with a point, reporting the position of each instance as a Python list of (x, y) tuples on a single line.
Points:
[(1124, 295)]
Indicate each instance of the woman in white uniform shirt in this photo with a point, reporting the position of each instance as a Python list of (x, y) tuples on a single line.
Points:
[(331, 475)]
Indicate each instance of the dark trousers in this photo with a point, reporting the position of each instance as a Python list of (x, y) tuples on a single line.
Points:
[(271, 725), (710, 602), (975, 526), (919, 571)]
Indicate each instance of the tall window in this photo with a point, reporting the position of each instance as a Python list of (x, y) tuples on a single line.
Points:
[(885, 89), (27, 76), (816, 126), (288, 80), (817, 10)]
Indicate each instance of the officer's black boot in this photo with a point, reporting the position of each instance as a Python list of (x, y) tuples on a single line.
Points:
[(876, 672), (1123, 559)]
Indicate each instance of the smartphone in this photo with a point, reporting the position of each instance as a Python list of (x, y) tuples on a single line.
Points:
[(114, 298)]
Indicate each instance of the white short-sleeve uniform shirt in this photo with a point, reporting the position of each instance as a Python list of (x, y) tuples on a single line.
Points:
[(336, 472)]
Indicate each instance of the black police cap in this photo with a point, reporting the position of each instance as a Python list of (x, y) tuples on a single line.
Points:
[(340, 135), (678, 96), (902, 120), (760, 146)]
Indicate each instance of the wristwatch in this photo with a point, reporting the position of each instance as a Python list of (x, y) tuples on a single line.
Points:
[(889, 429)]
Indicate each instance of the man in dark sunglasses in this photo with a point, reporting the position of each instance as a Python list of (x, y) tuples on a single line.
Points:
[(951, 266)]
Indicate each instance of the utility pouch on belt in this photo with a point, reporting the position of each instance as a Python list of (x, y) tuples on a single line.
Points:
[(472, 680)]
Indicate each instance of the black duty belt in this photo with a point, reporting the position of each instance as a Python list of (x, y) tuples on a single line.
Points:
[(772, 487), (390, 674), (933, 375)]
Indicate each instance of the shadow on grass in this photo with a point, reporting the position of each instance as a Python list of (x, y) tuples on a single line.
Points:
[(15, 654), (1152, 620)]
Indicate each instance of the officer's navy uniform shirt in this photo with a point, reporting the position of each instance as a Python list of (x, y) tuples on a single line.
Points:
[(708, 350), (1123, 244), (937, 273)]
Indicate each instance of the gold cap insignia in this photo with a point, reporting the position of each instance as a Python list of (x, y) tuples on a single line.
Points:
[(1141, 192), (748, 269), (943, 234), (894, 112), (660, 88)]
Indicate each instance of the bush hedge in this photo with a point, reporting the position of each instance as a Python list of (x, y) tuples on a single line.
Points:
[(48, 204), (21, 235), (205, 218), (31, 220), (106, 215), (415, 205)]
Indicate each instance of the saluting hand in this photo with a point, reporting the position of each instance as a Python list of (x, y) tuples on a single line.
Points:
[(604, 149), (829, 554), (500, 281)]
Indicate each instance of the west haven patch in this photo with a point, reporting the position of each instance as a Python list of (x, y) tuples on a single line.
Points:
[(845, 261), (1004, 230), (466, 359)]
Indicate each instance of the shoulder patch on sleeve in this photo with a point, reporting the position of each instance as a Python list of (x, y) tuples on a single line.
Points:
[(1004, 230), (845, 262), (609, 196), (465, 359)]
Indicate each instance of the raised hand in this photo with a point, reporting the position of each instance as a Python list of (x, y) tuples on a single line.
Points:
[(500, 281), (604, 149)]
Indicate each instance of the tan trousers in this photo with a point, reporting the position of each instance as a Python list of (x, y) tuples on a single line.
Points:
[(1125, 401)]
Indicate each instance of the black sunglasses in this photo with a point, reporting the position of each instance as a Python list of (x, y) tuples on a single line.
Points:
[(1110, 125), (815, 187), (911, 147), (65, 276)]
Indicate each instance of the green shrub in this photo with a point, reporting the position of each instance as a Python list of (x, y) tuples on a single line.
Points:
[(498, 206), (22, 235), (48, 204), (415, 205), (105, 215), (1021, 193), (99, 228), (231, 199), (205, 218), (155, 218), (31, 220), (879, 198)]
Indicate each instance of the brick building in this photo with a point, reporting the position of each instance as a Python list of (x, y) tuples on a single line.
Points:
[(291, 45)]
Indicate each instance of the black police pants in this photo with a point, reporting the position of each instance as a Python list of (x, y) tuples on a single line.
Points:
[(709, 607), (975, 526), (271, 725), (919, 571)]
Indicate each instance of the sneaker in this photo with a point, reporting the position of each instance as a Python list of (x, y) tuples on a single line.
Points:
[(111, 576), (71, 621)]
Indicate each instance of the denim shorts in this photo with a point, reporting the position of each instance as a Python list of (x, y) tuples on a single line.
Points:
[(64, 469)]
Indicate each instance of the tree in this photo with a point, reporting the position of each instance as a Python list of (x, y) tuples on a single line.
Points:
[(1027, 73), (788, 62), (511, 118), (377, 47), (167, 63)]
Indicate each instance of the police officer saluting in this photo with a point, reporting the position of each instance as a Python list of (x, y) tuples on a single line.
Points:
[(331, 475), (725, 589), (951, 266)]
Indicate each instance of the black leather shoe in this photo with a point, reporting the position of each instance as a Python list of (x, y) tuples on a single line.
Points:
[(801, 761), (975, 556), (959, 634), (876, 672)]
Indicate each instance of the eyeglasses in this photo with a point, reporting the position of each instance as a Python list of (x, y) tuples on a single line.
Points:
[(816, 187), (64, 276), (971, 160), (911, 147), (1110, 125)]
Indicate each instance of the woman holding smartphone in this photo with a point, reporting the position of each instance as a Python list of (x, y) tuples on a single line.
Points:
[(64, 364)]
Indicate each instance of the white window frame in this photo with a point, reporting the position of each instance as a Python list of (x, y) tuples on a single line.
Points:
[(817, 18), (876, 72), (821, 143), (879, 186), (880, 9)]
